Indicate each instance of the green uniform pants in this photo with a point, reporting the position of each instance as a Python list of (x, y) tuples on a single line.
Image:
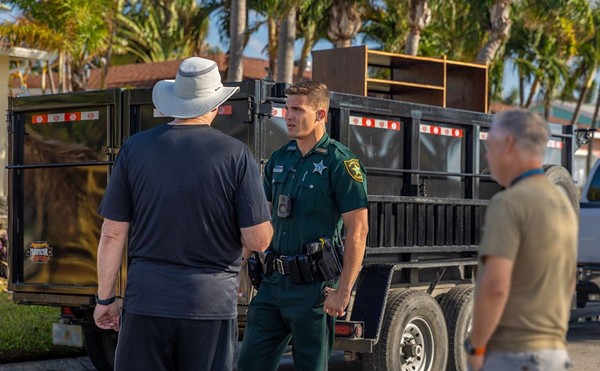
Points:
[(282, 310)]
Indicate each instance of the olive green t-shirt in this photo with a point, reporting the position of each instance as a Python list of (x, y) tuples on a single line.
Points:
[(533, 224), (323, 184)]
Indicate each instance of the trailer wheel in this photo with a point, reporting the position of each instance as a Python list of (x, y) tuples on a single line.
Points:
[(562, 179), (101, 346), (413, 335), (458, 311)]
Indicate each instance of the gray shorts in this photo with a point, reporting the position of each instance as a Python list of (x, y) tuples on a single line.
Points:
[(540, 360)]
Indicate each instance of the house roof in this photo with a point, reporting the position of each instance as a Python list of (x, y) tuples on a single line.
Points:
[(147, 74)]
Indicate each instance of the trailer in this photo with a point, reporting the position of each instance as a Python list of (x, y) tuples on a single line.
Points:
[(428, 185)]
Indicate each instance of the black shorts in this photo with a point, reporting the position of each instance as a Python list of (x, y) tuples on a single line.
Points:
[(157, 343)]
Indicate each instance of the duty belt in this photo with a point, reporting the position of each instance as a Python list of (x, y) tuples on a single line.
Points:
[(282, 266)]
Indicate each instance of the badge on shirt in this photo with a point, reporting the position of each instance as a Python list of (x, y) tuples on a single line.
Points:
[(319, 167), (278, 169), (353, 169)]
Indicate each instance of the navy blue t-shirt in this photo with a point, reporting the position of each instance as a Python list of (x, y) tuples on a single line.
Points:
[(186, 191)]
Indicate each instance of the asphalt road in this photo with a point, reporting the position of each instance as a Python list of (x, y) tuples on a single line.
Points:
[(584, 348)]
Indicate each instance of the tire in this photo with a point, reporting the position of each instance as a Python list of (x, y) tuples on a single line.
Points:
[(562, 179), (101, 346), (413, 335), (457, 306)]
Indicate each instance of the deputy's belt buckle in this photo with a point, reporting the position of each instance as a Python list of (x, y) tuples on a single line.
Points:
[(279, 265)]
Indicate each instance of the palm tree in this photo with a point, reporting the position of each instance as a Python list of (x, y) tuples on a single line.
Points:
[(235, 69), (161, 30), (312, 24), (76, 29), (345, 22), (386, 24), (419, 18), (271, 11), (544, 39), (499, 29), (285, 50)]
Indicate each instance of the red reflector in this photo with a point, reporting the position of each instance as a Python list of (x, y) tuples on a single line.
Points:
[(66, 311), (343, 329)]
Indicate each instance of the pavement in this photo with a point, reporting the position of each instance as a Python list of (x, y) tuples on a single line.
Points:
[(583, 338)]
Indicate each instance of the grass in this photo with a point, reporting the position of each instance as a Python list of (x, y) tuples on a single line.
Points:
[(26, 331)]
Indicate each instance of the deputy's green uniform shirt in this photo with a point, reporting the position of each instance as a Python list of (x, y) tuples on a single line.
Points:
[(325, 183)]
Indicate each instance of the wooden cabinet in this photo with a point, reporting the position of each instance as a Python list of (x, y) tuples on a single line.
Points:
[(434, 81)]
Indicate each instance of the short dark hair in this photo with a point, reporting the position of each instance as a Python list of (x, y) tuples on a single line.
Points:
[(317, 93)]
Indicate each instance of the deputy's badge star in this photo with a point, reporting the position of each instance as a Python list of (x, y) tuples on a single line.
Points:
[(319, 167)]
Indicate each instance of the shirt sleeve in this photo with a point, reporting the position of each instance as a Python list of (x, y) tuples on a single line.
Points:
[(268, 179), (501, 230), (116, 204), (349, 183), (250, 200)]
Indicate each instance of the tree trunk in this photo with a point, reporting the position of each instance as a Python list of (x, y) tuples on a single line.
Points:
[(309, 42), (412, 42), (521, 87), (499, 31), (51, 78), (588, 162), (344, 22), (237, 28), (285, 52), (418, 18), (532, 92), (272, 47), (582, 96), (61, 73)]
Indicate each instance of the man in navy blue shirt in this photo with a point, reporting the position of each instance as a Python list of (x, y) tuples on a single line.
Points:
[(190, 198)]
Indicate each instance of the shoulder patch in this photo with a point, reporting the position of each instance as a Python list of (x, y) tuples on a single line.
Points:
[(353, 169)]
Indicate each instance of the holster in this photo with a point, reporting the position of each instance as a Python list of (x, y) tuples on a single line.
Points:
[(255, 270), (330, 264)]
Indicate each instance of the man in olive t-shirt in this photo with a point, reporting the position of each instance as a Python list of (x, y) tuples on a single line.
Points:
[(527, 258)]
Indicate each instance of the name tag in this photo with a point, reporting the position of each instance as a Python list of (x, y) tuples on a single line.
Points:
[(278, 169)]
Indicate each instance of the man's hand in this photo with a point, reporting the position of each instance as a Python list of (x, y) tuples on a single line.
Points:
[(107, 317), (476, 362), (336, 302)]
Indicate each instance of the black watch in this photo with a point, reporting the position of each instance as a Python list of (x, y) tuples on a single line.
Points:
[(108, 301)]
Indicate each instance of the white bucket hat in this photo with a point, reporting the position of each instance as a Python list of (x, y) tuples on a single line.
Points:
[(196, 90)]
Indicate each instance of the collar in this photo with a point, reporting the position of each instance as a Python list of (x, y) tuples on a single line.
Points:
[(527, 174), (321, 147)]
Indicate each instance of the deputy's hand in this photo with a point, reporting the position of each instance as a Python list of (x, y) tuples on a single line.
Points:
[(475, 362), (107, 316), (336, 302)]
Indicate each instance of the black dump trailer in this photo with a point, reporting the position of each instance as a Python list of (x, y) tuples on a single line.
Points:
[(428, 184)]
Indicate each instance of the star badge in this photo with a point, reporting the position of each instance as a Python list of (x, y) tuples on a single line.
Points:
[(319, 167)]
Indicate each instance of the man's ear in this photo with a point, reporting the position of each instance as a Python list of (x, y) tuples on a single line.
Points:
[(509, 143), (321, 114)]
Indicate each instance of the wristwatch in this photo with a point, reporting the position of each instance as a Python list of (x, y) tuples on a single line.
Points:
[(471, 350), (108, 301)]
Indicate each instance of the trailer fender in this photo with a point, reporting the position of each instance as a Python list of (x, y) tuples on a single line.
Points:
[(372, 290)]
